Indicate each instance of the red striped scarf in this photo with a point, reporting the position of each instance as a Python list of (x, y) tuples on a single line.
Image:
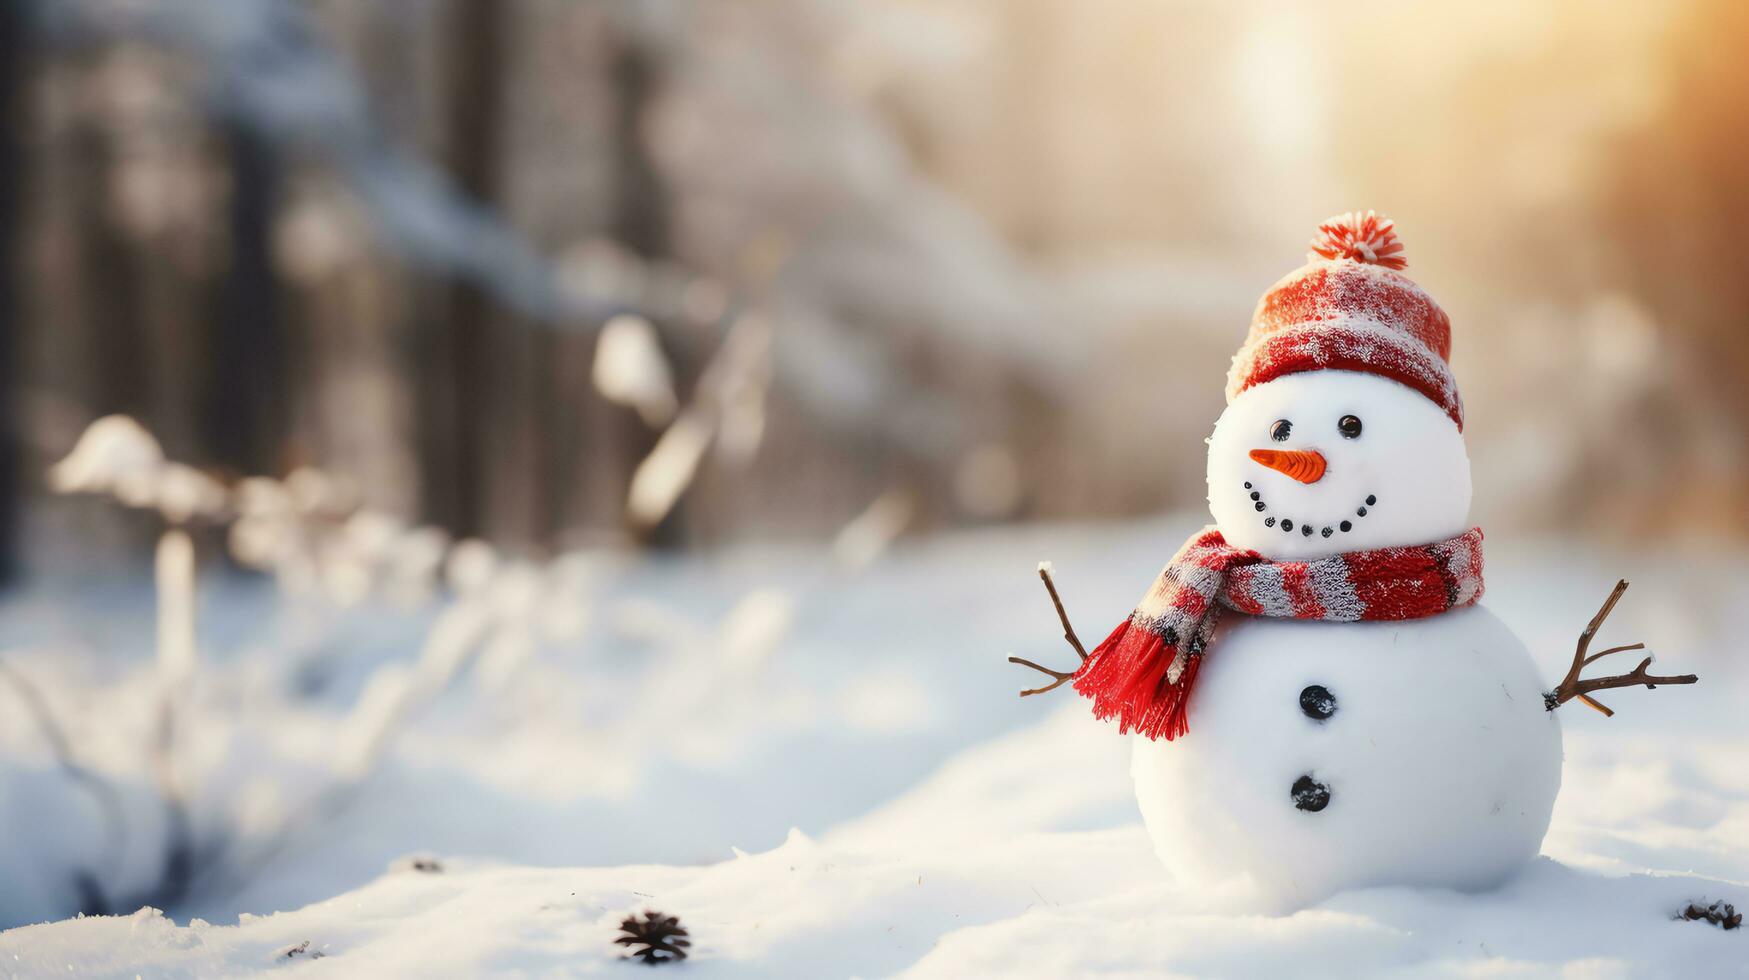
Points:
[(1143, 673)]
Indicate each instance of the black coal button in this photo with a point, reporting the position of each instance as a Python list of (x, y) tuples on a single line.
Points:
[(1317, 702), (1310, 795)]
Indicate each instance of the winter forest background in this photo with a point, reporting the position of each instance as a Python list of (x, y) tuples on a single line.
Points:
[(379, 238), (566, 429)]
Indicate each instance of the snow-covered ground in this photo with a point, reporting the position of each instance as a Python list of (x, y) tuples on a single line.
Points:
[(853, 733)]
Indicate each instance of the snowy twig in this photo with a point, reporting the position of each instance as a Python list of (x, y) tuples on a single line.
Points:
[(737, 374), (1044, 573), (1572, 687), (105, 795), (392, 697), (1062, 677), (178, 660), (117, 457), (868, 536), (309, 531)]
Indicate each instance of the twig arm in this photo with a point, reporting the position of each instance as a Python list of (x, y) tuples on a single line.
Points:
[(1635, 678), (1059, 677), (1044, 573), (1599, 655), (1572, 687), (1062, 676)]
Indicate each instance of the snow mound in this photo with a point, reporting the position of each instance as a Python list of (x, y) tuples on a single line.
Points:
[(947, 828), (891, 896)]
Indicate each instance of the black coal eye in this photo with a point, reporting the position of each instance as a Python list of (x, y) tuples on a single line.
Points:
[(1349, 426), (1281, 430)]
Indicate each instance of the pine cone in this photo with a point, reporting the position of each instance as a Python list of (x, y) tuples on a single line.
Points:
[(657, 938)]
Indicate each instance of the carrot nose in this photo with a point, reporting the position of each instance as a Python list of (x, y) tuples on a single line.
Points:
[(1304, 465)]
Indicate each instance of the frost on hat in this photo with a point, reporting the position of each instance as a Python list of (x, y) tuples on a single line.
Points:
[(1349, 309)]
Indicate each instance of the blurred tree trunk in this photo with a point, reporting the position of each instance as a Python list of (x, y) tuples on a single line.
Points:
[(640, 213), (454, 413), (246, 411), (640, 217), (113, 302), (13, 78)]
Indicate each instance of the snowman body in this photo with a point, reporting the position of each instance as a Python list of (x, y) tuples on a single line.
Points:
[(1320, 755), (1326, 756)]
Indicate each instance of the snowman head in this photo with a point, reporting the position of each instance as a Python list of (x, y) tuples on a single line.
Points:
[(1314, 464), (1343, 428)]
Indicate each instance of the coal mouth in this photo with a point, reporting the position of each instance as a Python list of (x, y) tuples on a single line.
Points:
[(1288, 525)]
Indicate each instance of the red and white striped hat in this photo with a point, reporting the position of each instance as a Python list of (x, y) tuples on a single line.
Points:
[(1348, 309)]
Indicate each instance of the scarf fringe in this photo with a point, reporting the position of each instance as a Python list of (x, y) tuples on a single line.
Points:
[(1127, 678)]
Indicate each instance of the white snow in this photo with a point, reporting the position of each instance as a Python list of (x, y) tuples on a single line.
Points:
[(111, 452), (947, 828), (630, 369)]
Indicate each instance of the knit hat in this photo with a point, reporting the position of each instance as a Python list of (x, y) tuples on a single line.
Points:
[(1347, 309)]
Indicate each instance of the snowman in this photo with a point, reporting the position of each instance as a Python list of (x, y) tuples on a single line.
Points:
[(1318, 701)]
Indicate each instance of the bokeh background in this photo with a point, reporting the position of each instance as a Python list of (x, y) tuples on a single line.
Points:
[(436, 293), (1004, 249)]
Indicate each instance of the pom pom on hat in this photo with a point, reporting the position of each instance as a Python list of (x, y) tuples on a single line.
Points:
[(1368, 237)]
